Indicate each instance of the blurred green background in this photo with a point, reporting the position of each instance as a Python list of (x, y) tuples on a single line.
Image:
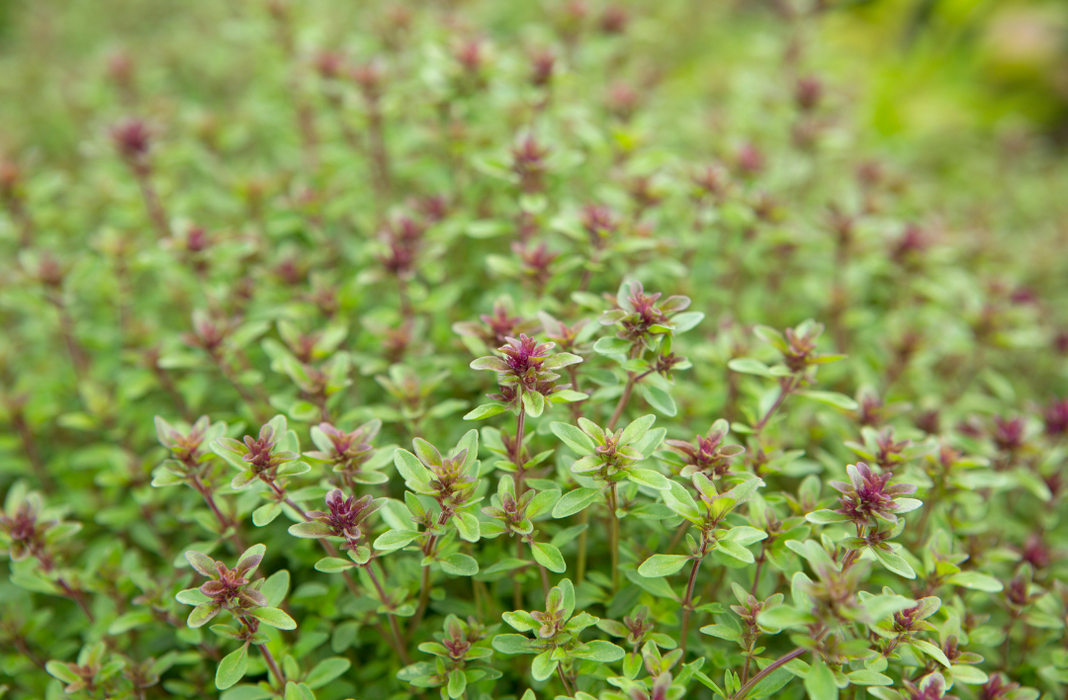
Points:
[(915, 68)]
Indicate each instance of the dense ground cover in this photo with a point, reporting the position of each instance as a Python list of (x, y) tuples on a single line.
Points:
[(512, 350)]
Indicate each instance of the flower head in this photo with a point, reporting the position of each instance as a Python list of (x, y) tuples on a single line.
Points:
[(869, 497), (707, 454)]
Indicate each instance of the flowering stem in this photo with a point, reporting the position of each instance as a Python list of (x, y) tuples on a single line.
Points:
[(350, 583)]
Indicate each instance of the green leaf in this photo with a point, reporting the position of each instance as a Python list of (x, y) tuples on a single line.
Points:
[(459, 565), (409, 467), (559, 360), (831, 398), (486, 410), (274, 617), (658, 399), (663, 565), (969, 675), (735, 551), (894, 562), (201, 563), (637, 430), (232, 668), (748, 365), (276, 586), (202, 613), (311, 529), (542, 503), (601, 652), (59, 670), (930, 650), (129, 621), (457, 683), (467, 526), (495, 364), (326, 671), (549, 557), (333, 565), (395, 539), (820, 682), (579, 442), (611, 346), (686, 321), (191, 596), (543, 666), (973, 580), (265, 514), (575, 501), (866, 677), (826, 517), (533, 403), (511, 643), (649, 477), (784, 617)]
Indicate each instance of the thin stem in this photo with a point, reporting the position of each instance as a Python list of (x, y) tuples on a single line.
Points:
[(766, 671), (252, 626), (79, 358), (584, 519), (377, 147), (563, 679), (405, 298), (517, 449), (424, 582), (785, 389), (628, 389), (679, 534), (271, 664), (618, 413), (544, 580), (687, 603), (224, 522), (613, 533), (759, 565), (153, 204), (544, 573), (78, 596), (517, 590), (1006, 647), (398, 644), (32, 453)]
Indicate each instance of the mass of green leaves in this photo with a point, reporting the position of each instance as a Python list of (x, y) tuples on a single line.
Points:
[(486, 349)]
